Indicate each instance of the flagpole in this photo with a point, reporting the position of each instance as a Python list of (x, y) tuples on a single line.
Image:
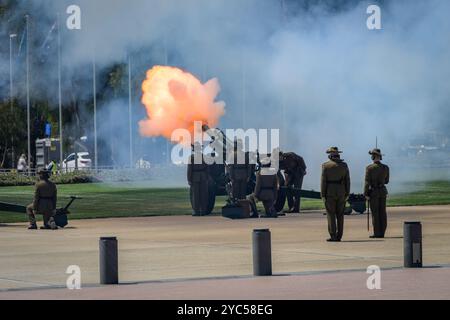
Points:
[(166, 63), (129, 111), (11, 93), (60, 96), (28, 93), (244, 93), (94, 89)]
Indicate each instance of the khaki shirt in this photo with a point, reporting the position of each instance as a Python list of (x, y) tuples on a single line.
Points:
[(45, 196), (335, 180), (377, 176), (295, 164)]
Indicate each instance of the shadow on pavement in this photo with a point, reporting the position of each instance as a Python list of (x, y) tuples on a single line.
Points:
[(361, 240)]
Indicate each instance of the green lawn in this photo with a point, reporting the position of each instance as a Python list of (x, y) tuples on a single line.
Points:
[(101, 200)]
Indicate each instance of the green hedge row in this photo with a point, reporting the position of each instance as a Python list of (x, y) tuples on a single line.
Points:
[(17, 179)]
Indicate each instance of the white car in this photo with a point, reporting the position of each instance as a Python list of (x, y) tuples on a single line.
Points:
[(84, 162), (142, 164)]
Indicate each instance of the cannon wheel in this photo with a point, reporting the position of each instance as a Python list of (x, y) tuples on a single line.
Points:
[(281, 197), (211, 198)]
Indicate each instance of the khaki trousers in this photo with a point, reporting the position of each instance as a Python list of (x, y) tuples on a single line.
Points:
[(335, 214), (48, 216), (379, 215)]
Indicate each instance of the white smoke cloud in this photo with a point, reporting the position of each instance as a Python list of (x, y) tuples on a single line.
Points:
[(316, 73)]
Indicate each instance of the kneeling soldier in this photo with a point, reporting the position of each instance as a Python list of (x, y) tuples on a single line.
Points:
[(266, 189), (44, 203), (377, 176)]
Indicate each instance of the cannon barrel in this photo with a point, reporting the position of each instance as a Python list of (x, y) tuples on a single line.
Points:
[(223, 140), (10, 207), (17, 208), (302, 193)]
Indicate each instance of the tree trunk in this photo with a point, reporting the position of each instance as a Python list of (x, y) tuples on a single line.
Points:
[(5, 152)]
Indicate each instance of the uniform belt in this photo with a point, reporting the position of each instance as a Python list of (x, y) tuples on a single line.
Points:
[(266, 188), (334, 182), (377, 187), (47, 198), (198, 170)]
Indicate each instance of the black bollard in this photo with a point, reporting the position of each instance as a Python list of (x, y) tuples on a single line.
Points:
[(412, 244), (262, 253), (109, 265)]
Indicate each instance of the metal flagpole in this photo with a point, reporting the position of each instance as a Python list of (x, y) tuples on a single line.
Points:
[(11, 93), (28, 93), (166, 62), (94, 89), (60, 97), (129, 111), (244, 93)]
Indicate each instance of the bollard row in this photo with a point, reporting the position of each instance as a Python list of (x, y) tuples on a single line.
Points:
[(262, 252)]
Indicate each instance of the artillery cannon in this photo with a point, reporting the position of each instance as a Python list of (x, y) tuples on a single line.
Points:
[(60, 216), (220, 182)]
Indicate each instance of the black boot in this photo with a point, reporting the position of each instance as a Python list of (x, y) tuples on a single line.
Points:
[(32, 226)]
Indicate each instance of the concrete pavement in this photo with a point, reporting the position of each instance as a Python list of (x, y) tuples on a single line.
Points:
[(423, 284), (184, 247)]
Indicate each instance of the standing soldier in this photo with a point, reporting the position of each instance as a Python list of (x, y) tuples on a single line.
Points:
[(294, 170), (266, 189), (239, 171), (198, 178), (335, 189), (377, 176), (45, 196)]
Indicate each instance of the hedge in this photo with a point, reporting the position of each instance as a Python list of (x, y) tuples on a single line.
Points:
[(17, 179)]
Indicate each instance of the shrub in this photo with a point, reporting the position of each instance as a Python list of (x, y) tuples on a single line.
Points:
[(17, 179)]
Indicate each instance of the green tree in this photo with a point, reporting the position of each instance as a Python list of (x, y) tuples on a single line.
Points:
[(12, 128)]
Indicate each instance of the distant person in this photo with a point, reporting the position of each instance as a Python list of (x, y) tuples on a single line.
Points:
[(52, 167), (375, 191), (266, 189), (142, 163), (335, 189), (22, 164), (294, 170), (45, 196), (198, 179)]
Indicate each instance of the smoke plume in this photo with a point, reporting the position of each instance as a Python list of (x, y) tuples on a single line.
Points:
[(310, 68)]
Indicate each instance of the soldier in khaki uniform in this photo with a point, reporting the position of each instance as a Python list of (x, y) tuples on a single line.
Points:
[(377, 176), (294, 171), (45, 196), (266, 189), (198, 179), (335, 189), (239, 171)]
